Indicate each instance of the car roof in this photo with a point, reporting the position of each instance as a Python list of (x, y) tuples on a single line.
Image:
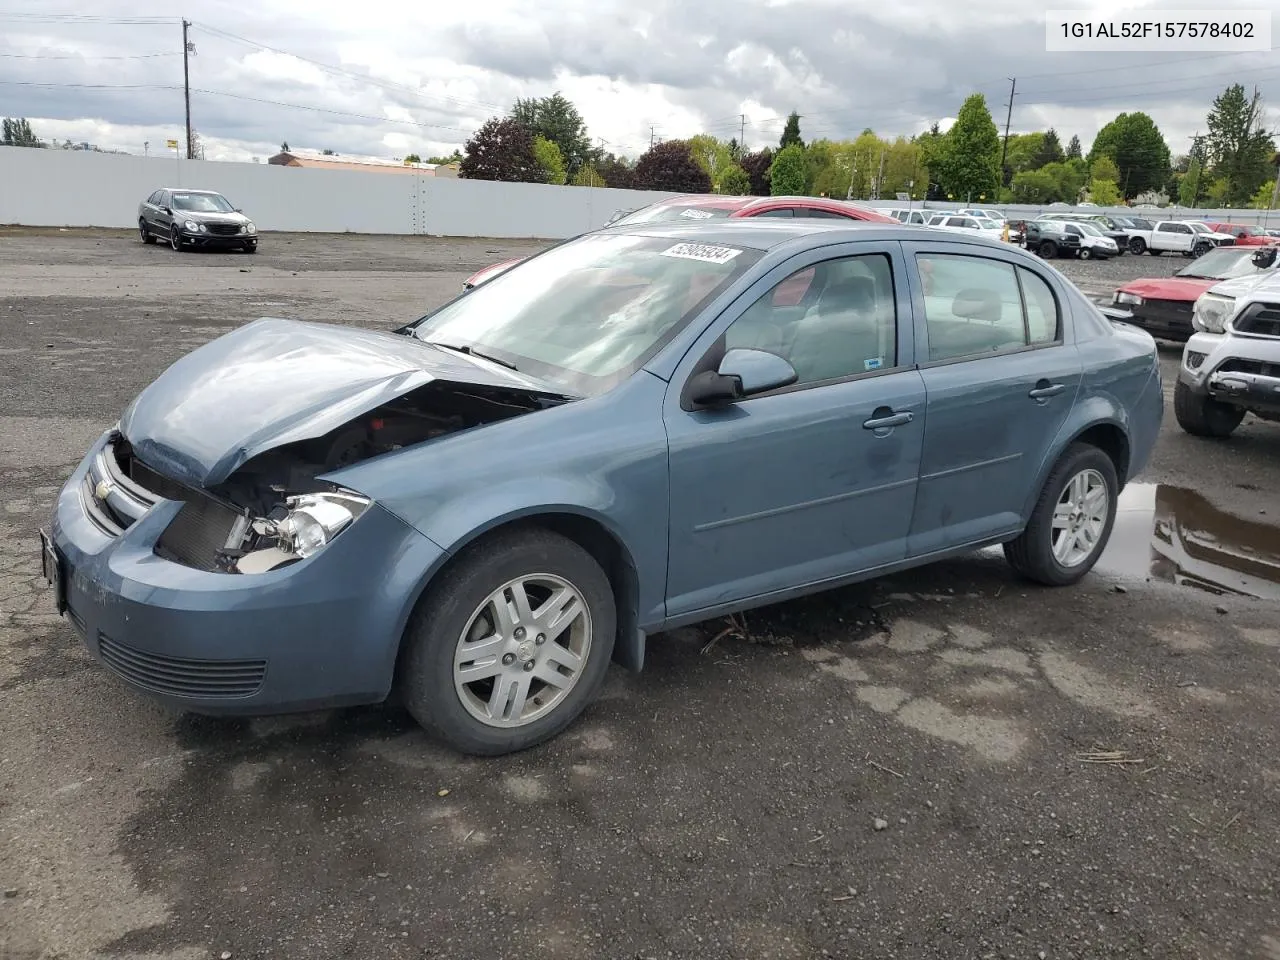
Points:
[(737, 203), (189, 190), (766, 234)]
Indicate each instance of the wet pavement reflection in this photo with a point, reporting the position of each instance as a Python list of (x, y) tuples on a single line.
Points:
[(1174, 535)]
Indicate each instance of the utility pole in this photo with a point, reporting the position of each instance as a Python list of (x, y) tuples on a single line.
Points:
[(742, 135), (1008, 118), (1195, 159), (651, 129), (875, 194), (186, 85)]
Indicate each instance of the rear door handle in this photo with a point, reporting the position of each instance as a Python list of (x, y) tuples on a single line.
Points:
[(1043, 392), (884, 423)]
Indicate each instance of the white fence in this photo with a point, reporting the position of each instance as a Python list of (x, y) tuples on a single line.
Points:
[(68, 188)]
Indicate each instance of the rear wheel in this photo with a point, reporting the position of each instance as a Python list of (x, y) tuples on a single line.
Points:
[(1200, 249), (1137, 246), (144, 233), (1048, 250), (1203, 416), (510, 645), (1086, 254), (1072, 519)]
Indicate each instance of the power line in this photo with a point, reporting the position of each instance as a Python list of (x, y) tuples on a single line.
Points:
[(84, 18), (77, 56), (336, 113)]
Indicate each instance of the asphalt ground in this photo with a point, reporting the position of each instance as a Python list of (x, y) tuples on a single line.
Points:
[(946, 763)]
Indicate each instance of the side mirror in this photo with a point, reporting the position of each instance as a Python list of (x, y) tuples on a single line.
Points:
[(742, 373), (169, 210), (1265, 257)]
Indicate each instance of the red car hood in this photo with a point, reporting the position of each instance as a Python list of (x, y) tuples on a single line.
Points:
[(1169, 288)]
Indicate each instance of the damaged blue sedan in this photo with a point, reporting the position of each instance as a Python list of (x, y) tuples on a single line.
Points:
[(634, 430)]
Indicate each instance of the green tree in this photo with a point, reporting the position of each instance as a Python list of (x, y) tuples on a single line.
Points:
[(787, 175), (1070, 176), (501, 150), (670, 166), (616, 171), (712, 155), (413, 158), (1136, 145), (1239, 148), (735, 181), (791, 132), (1023, 148), (934, 152), (972, 167), (1104, 168), (455, 157), (549, 160), (588, 177), (735, 149), (1262, 199), (1104, 193), (1035, 186), (1073, 149), (555, 118), (1050, 150), (18, 133)]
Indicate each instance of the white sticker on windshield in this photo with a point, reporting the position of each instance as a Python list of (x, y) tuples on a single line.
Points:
[(701, 251), (694, 214)]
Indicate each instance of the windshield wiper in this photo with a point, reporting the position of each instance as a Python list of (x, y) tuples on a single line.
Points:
[(473, 352)]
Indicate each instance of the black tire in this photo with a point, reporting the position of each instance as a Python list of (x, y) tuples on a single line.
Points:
[(1031, 554), (175, 240), (1137, 246), (1086, 254), (1203, 416), (144, 233), (251, 248), (425, 672), (1048, 250), (1200, 249)]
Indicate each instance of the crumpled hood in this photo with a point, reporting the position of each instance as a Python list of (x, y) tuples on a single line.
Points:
[(274, 382), (1168, 288)]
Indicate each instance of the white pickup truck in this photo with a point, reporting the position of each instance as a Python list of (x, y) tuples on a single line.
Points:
[(1187, 237)]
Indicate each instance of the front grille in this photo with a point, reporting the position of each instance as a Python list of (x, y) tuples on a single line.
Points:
[(194, 537), (1229, 242), (224, 229), (1259, 320), (182, 677), (1169, 315), (1237, 365)]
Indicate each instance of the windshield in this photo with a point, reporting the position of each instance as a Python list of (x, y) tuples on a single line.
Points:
[(586, 315), (1224, 263), (664, 211), (1198, 227), (1090, 228), (202, 203), (986, 223)]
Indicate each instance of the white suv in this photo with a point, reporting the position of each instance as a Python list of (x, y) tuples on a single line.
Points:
[(1231, 364)]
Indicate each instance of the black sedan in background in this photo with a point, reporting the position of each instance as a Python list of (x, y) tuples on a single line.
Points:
[(185, 219)]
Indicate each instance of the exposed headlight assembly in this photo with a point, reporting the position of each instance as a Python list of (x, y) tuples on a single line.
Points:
[(1211, 312), (1130, 298), (311, 522)]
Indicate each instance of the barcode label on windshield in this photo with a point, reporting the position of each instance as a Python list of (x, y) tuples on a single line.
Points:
[(695, 214), (701, 251)]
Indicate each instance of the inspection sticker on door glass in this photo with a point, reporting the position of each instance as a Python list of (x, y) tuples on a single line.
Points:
[(875, 363), (701, 251), (694, 214)]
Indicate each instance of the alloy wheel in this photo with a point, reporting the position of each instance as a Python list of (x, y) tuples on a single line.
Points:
[(522, 651), (1080, 518)]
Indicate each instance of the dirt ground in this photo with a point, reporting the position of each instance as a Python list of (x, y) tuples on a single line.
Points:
[(948, 763)]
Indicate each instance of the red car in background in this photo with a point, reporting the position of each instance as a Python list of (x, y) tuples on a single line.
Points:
[(1162, 305), (701, 206), (1246, 235)]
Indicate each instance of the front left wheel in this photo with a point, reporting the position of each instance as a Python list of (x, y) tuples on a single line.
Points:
[(510, 645), (1071, 521)]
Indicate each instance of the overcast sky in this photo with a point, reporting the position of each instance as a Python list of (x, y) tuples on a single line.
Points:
[(390, 77)]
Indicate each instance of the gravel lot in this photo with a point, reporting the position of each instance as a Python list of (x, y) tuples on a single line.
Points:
[(899, 769)]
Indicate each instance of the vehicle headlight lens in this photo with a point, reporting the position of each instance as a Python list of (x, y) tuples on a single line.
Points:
[(316, 518), (1130, 298), (250, 227), (1212, 312), (192, 226)]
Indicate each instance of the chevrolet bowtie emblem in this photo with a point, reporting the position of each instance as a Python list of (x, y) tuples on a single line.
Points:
[(103, 489)]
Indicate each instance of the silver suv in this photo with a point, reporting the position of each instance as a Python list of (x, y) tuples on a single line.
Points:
[(1231, 364)]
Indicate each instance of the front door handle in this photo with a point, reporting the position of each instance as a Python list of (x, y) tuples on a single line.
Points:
[(1044, 390), (891, 420)]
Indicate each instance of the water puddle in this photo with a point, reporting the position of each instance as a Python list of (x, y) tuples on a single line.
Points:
[(1174, 535)]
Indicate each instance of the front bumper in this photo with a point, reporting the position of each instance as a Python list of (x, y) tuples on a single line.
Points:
[(1166, 319), (323, 632), (1242, 371), (214, 241)]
